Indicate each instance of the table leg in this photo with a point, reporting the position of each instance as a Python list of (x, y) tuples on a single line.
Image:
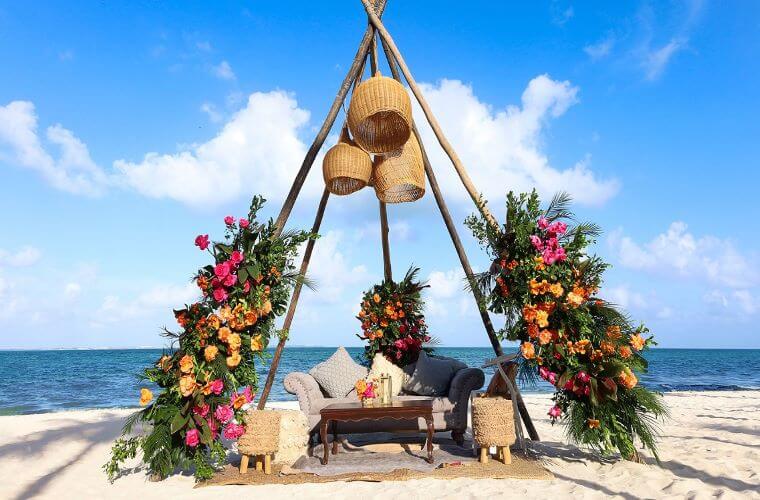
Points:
[(335, 437), (430, 428), (323, 435)]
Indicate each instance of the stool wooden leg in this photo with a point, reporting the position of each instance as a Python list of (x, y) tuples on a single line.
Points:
[(267, 464), (244, 464), (259, 463), (506, 455), (483, 455)]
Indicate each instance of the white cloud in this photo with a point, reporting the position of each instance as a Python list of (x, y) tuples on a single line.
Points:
[(330, 269), (71, 170), (599, 50), (224, 71), (257, 151), (212, 112), (397, 231), (72, 290), (25, 256), (502, 149), (625, 297), (203, 46), (654, 61), (678, 252), (160, 297)]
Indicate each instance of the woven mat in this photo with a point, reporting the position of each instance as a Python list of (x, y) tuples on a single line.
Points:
[(386, 462)]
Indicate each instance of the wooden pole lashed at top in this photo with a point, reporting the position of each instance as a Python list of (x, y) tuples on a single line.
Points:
[(293, 302), (319, 140), (463, 259), (458, 165)]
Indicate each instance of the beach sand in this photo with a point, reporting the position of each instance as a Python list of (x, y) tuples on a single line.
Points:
[(709, 448)]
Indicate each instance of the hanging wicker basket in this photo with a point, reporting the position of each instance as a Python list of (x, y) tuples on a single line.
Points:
[(400, 176), (380, 115), (346, 168), (493, 421)]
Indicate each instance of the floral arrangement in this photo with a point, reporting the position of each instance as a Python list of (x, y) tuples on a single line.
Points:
[(546, 284), (209, 378), (366, 389), (392, 321)]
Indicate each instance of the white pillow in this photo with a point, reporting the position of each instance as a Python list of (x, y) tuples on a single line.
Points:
[(382, 365), (338, 374)]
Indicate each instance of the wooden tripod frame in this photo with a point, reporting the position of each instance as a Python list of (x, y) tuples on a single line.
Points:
[(368, 50)]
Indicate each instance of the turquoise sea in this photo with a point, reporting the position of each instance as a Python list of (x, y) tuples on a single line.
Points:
[(44, 381)]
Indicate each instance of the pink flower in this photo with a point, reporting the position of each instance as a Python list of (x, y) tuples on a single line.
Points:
[(555, 412), (233, 431), (201, 241), (558, 227), (246, 286), (552, 378), (583, 377), (400, 344), (560, 255), (248, 393), (244, 223), (552, 243), (543, 372), (549, 257), (543, 223), (201, 411), (569, 385), (217, 386), (236, 258), (192, 438), (230, 280), (536, 242), (220, 294), (224, 413), (229, 220), (222, 270)]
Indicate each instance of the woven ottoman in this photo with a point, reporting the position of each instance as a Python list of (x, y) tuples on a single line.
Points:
[(261, 439), (493, 424)]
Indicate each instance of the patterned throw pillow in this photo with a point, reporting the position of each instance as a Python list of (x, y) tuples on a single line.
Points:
[(338, 374), (380, 365), (432, 375)]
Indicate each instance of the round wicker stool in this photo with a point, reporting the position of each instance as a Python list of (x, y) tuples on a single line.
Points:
[(261, 438), (493, 424)]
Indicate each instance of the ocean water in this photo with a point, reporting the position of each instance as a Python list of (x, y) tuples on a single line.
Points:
[(43, 381)]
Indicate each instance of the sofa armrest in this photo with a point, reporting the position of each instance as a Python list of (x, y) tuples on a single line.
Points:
[(305, 388), (464, 381)]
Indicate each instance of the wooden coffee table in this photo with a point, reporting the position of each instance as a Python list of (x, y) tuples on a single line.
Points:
[(352, 412)]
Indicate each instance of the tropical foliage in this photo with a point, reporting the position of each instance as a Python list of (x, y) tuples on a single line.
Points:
[(546, 284), (208, 376), (392, 320)]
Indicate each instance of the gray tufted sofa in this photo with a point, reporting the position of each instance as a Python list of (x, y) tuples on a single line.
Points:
[(449, 412)]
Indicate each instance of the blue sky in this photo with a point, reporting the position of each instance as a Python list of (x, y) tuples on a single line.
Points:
[(126, 128)]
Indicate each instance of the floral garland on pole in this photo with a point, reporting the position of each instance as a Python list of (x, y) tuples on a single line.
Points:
[(392, 320), (545, 283), (210, 379)]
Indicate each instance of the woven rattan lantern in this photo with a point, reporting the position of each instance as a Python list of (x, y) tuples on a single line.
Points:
[(400, 176), (346, 167), (380, 115)]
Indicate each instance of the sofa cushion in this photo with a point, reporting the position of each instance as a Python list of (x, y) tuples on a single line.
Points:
[(382, 365), (338, 374), (432, 375)]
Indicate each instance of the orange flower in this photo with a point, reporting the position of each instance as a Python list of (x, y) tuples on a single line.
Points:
[(187, 385), (186, 364), (238, 311), (596, 355), (593, 424), (225, 313), (625, 352), (637, 342), (401, 314), (383, 322), (608, 348), (233, 360), (214, 322), (536, 288), (512, 264), (210, 353), (165, 363), (542, 319), (613, 332), (533, 331), (145, 396), (583, 346), (256, 343), (378, 334), (362, 313), (574, 299), (527, 350), (376, 298), (238, 402), (233, 341), (556, 289), (224, 334), (544, 337), (202, 283), (361, 386), (250, 318), (236, 324), (529, 313), (627, 379)]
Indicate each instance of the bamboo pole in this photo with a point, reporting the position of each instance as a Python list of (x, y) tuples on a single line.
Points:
[(458, 165), (387, 270), (463, 259), (293, 302), (319, 140)]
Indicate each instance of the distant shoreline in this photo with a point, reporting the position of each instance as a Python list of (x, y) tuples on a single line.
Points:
[(47, 349)]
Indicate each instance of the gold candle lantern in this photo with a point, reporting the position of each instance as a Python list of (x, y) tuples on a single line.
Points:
[(386, 389)]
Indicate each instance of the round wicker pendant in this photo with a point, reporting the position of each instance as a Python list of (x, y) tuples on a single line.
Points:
[(380, 115), (399, 177), (346, 168)]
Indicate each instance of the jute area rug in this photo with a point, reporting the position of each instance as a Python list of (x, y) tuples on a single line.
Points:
[(398, 460)]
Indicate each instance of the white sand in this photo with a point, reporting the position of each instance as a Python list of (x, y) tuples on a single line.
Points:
[(710, 448)]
